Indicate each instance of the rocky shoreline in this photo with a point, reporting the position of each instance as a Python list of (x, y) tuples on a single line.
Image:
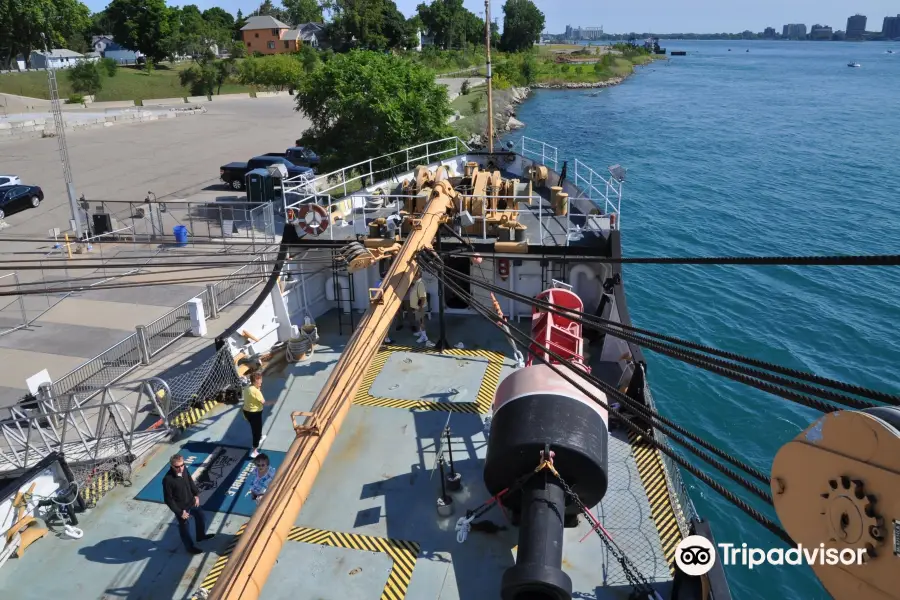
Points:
[(505, 119)]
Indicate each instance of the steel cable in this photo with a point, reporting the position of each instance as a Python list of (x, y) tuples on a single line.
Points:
[(728, 495)]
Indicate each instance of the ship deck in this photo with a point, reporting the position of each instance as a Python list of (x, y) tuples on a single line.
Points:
[(370, 528)]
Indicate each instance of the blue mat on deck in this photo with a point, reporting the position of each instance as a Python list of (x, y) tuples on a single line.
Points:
[(222, 473)]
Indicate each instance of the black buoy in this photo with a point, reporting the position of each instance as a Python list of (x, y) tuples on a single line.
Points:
[(534, 408)]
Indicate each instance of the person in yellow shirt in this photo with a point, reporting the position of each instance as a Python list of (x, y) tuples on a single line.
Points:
[(418, 303), (253, 410)]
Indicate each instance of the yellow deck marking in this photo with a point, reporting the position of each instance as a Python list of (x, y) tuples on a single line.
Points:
[(653, 478), (483, 399), (402, 553), (192, 415)]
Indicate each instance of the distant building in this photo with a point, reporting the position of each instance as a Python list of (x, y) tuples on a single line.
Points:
[(820, 32), (890, 29), (769, 33), (796, 31), (58, 58), (100, 42), (856, 27), (122, 56), (268, 35), (583, 33)]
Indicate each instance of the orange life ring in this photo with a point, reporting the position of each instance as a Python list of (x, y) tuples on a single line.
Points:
[(313, 219)]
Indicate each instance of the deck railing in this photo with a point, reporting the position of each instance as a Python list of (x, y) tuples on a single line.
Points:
[(344, 181), (116, 362), (532, 148)]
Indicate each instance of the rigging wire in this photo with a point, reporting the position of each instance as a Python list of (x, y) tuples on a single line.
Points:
[(667, 425), (730, 496), (858, 260), (721, 367)]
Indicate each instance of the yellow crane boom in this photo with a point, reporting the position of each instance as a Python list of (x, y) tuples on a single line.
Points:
[(260, 544)]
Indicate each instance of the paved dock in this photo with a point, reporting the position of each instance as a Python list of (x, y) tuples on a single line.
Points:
[(174, 159)]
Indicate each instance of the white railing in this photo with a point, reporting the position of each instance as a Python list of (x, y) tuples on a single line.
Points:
[(532, 148), (605, 193), (609, 190), (371, 170)]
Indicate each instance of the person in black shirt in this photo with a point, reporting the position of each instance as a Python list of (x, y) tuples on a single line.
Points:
[(181, 495)]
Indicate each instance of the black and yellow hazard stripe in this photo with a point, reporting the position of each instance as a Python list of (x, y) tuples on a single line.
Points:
[(99, 485), (192, 415), (484, 398), (650, 468), (210, 580), (403, 555)]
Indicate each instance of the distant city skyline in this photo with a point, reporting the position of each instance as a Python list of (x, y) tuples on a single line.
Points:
[(658, 16)]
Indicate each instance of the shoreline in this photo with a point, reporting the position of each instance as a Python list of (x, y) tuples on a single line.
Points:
[(505, 118)]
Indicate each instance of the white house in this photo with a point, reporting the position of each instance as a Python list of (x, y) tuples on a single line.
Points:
[(58, 58), (100, 42)]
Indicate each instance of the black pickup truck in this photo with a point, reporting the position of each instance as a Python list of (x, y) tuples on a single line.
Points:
[(300, 156), (233, 174)]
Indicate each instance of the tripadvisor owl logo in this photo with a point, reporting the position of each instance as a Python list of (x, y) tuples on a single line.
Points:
[(695, 555)]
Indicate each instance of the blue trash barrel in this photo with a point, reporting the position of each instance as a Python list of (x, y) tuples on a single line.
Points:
[(181, 236)]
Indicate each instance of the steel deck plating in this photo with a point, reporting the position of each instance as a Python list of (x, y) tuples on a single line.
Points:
[(370, 528)]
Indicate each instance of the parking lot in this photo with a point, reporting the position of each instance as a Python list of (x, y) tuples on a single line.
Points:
[(173, 158)]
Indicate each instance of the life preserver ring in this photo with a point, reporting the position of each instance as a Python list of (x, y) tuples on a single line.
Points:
[(313, 219)]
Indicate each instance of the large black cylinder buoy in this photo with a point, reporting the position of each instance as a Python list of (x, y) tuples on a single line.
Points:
[(534, 407)]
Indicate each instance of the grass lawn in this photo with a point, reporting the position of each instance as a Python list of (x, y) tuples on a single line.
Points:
[(129, 83), (463, 104)]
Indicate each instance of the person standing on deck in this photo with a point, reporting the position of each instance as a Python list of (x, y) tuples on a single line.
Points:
[(418, 302), (182, 496), (253, 410)]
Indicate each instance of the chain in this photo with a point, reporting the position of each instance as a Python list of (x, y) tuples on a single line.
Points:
[(636, 579)]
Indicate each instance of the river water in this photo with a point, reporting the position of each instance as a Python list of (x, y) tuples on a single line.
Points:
[(783, 150)]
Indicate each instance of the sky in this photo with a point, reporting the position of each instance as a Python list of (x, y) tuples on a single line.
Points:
[(658, 16)]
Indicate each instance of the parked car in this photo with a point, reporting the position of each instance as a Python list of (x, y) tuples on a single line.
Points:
[(233, 174), (300, 156), (14, 198), (9, 180)]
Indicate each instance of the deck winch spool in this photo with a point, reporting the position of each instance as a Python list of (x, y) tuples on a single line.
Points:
[(534, 408), (834, 484)]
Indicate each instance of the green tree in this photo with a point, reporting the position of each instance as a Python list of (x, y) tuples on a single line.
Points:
[(309, 58), (85, 77), (236, 49), (302, 11), (369, 24), (269, 9), (523, 23), (143, 25), (275, 72), (365, 104), (451, 24), (218, 18), (28, 25)]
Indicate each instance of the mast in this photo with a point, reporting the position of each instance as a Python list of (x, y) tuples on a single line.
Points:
[(490, 95)]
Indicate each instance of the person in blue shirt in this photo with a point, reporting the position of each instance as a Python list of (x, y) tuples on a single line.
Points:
[(261, 477)]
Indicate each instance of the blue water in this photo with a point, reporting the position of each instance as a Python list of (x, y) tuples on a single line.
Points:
[(782, 150)]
